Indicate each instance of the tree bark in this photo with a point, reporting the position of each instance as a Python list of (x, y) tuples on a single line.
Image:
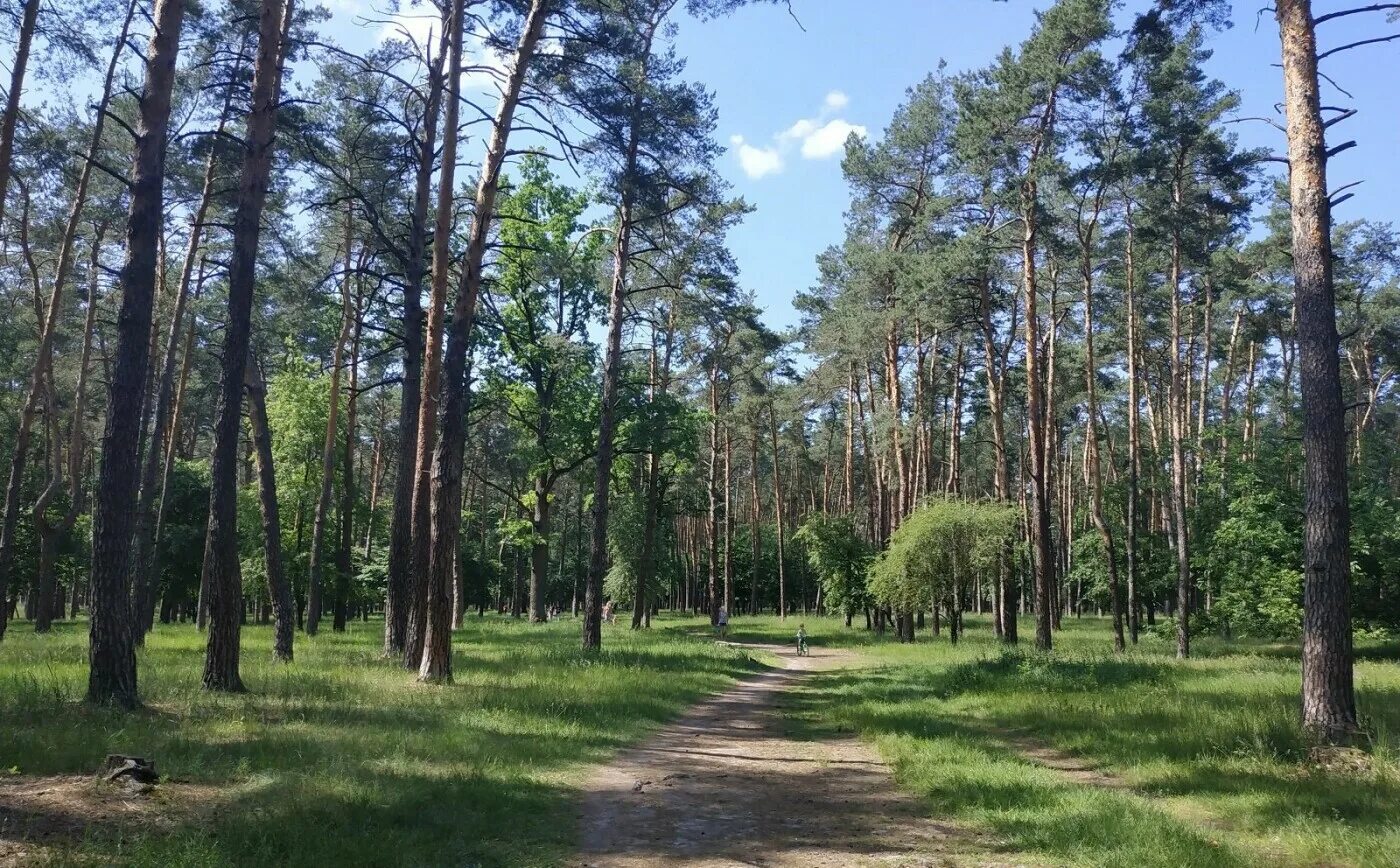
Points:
[(399, 595), (279, 590), (111, 649), (447, 459), (221, 542), (421, 521), (1329, 701)]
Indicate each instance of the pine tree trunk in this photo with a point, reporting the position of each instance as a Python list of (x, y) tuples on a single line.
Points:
[(343, 558), (421, 519), (279, 590), (778, 512), (1133, 518), (1329, 702), (146, 556), (221, 545), (400, 594), (447, 457), (111, 648), (48, 323), (316, 579)]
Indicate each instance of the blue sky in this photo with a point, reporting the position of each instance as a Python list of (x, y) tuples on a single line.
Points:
[(855, 58)]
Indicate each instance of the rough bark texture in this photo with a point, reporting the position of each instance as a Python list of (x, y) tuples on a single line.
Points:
[(447, 458), (111, 650), (146, 557), (221, 543), (421, 524), (1329, 701), (397, 600)]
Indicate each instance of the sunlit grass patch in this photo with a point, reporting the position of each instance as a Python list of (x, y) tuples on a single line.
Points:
[(1208, 763), (341, 757)]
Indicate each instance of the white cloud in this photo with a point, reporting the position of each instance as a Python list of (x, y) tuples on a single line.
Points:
[(757, 162), (798, 131), (815, 138), (829, 139)]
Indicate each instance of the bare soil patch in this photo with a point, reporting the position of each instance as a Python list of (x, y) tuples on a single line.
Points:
[(39, 814)]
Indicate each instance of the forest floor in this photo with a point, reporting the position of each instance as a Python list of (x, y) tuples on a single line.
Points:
[(922, 754), (726, 785), (1083, 757)]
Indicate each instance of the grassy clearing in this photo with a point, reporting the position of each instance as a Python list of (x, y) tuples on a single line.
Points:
[(1215, 767), (340, 758)]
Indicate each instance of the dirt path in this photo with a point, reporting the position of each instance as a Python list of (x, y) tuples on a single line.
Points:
[(724, 786)]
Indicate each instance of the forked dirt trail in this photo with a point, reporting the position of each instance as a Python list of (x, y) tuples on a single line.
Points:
[(723, 786)]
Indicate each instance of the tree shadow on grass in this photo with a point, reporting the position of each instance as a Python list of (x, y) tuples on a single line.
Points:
[(1203, 733), (969, 773), (340, 758)]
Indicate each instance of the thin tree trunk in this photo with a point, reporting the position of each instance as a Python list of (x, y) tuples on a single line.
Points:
[(316, 581), (221, 545), (343, 558), (778, 512), (48, 322), (421, 521), (402, 583), (279, 589)]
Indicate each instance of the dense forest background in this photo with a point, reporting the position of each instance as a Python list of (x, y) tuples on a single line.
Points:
[(369, 344)]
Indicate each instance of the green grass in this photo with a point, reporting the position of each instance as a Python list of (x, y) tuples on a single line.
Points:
[(340, 758), (1215, 766)]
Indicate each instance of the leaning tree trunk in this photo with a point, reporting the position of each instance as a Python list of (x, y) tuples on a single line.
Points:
[(77, 447), (10, 120), (111, 650), (1329, 701), (221, 541), (146, 557), (316, 581), (49, 324), (447, 458), (397, 600), (279, 590), (420, 523)]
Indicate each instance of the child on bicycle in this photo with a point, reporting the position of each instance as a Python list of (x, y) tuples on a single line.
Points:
[(802, 640)]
